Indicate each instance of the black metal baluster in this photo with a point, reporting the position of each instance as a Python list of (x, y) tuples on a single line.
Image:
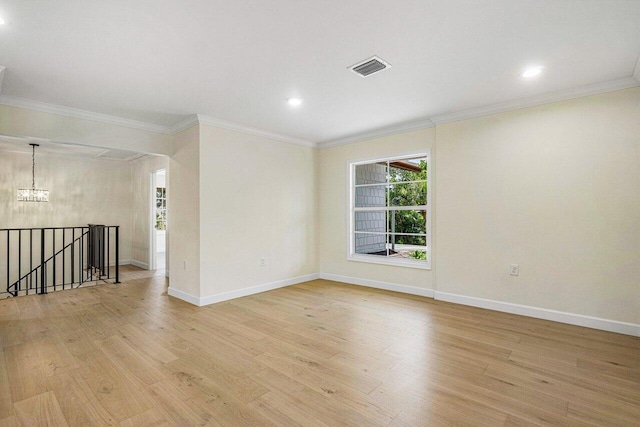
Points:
[(30, 284), (64, 258), (88, 267), (100, 242), (73, 256), (43, 270), (19, 286), (53, 254), (103, 257), (90, 256), (117, 254), (95, 247), (108, 253), (94, 244), (8, 258), (81, 256), (89, 253)]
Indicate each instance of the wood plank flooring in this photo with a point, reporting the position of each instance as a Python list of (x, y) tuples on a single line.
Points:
[(315, 354)]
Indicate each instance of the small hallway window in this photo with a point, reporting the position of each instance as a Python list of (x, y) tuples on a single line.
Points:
[(161, 208)]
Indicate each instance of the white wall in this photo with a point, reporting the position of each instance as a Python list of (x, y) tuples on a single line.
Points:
[(258, 199), (184, 213), (333, 202), (82, 191), (553, 188)]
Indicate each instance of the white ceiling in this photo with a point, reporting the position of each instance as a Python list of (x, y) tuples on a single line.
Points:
[(160, 61)]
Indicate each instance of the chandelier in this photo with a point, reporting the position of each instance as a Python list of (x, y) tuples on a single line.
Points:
[(32, 194)]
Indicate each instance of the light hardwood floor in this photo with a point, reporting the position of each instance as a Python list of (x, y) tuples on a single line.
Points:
[(315, 354)]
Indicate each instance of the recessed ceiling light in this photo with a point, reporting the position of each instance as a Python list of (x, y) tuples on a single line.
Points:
[(1, 21), (532, 72), (294, 102)]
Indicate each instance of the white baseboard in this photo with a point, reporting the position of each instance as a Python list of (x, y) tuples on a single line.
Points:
[(142, 265), (139, 264), (543, 313), (225, 296), (191, 299), (522, 310), (405, 289)]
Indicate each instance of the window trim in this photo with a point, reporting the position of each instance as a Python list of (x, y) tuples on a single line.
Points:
[(376, 259)]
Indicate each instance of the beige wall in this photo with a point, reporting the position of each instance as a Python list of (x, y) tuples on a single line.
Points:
[(37, 124), (334, 208), (82, 191), (141, 170), (553, 188), (258, 199), (184, 212)]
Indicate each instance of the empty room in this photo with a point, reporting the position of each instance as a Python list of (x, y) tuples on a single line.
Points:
[(320, 213)]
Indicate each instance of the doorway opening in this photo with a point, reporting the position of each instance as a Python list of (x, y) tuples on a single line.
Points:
[(159, 220)]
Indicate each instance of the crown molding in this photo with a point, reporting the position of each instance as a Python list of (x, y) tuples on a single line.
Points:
[(408, 126), (190, 121), (67, 154), (211, 121), (547, 98), (636, 72), (13, 101), (379, 132), (562, 95)]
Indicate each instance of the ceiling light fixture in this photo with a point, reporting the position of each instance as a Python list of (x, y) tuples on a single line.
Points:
[(32, 194), (294, 102), (532, 72), (2, 21)]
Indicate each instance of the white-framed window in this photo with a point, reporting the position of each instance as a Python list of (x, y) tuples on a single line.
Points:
[(389, 214)]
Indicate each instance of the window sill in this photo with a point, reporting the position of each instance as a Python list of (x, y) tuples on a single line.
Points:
[(375, 259)]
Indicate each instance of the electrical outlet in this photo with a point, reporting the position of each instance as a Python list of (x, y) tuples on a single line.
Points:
[(514, 269), (263, 262)]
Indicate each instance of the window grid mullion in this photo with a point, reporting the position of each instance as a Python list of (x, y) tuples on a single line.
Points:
[(397, 234), (380, 184), (387, 177), (389, 208)]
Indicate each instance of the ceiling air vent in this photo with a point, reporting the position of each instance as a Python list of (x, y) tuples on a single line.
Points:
[(369, 66)]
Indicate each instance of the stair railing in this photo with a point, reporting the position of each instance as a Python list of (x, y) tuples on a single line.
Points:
[(39, 260)]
